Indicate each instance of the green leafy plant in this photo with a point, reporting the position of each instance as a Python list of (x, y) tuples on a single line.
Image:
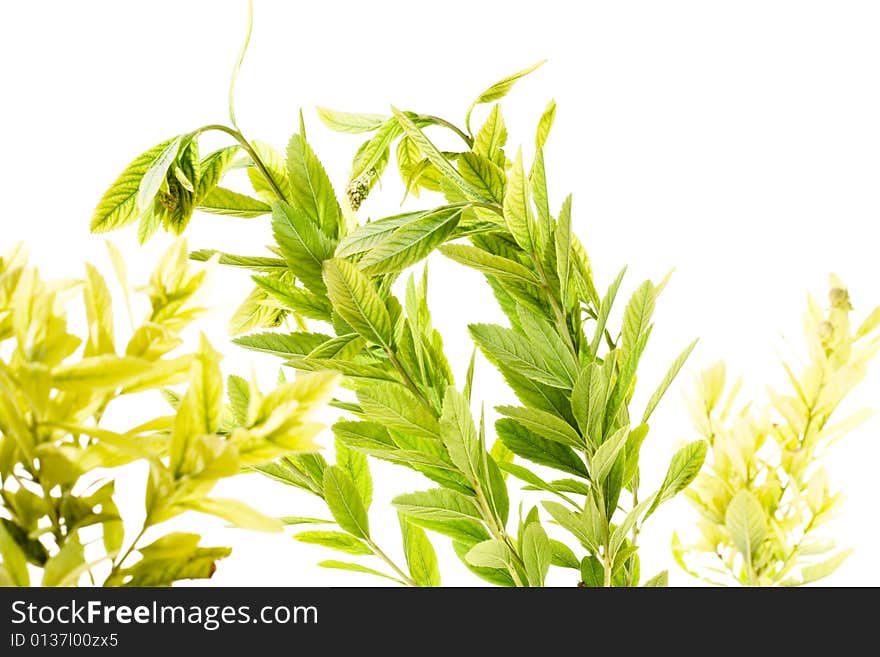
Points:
[(335, 276), (764, 492), (57, 455)]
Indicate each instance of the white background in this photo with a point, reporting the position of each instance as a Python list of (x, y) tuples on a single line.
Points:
[(737, 142)]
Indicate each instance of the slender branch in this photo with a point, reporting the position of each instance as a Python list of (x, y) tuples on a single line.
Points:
[(238, 62), (407, 380), (635, 533), (247, 148), (118, 563), (446, 124), (384, 557), (558, 312)]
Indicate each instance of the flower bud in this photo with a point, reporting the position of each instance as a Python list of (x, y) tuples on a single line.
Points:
[(839, 297), (359, 189)]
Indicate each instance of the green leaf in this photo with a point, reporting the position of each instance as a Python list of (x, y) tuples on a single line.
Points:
[(172, 558), (575, 523), (527, 476), (105, 371), (372, 157), (825, 568), (518, 207), (563, 244), (236, 512), (491, 138), (238, 393), (871, 322), (34, 551), (544, 424), (606, 455), (334, 541), (604, 312), (276, 164), (154, 177), (490, 554), (495, 576), (211, 170), (99, 314), (357, 302), (544, 125), (674, 369), (500, 89), (546, 341), (459, 434), (485, 176), (353, 370), (436, 157), (65, 567), (637, 317), (528, 445), (544, 225), (14, 560), (394, 407), (633, 451), (562, 556), (619, 535), (537, 553), (592, 572), (356, 568), (747, 523), (303, 245), (507, 349), (444, 511), (410, 242), (226, 202), (345, 503), (489, 264), (622, 387), (303, 520), (255, 263), (310, 187), (420, 556), (660, 580), (282, 344), (363, 435), (683, 469), (364, 237), (349, 122), (294, 298), (199, 410), (588, 399), (355, 464), (256, 311)]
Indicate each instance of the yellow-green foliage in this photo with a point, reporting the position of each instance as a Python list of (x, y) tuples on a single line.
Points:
[(763, 491), (55, 453)]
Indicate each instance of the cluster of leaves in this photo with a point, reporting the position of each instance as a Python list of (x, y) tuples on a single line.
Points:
[(58, 512), (764, 492), (572, 373)]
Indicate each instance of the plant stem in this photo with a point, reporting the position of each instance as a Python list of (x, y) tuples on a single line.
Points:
[(118, 563), (489, 517), (407, 380), (446, 124), (238, 63), (384, 557), (558, 312), (635, 533), (246, 146)]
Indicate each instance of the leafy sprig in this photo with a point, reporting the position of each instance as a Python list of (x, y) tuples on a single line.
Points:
[(764, 493), (573, 373), (57, 512)]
